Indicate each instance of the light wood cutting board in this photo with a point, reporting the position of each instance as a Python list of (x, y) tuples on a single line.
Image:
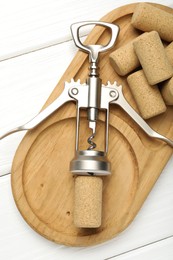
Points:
[(42, 185)]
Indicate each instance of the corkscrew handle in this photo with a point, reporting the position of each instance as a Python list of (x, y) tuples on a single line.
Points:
[(94, 50)]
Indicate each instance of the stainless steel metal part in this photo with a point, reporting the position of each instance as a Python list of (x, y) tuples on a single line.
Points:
[(60, 101), (94, 50), (94, 83), (90, 162), (122, 102)]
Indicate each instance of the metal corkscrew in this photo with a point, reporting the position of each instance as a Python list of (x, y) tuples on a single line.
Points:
[(90, 165), (91, 143)]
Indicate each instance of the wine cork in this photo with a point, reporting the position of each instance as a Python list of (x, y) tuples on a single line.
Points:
[(153, 58), (167, 91), (148, 98), (149, 18), (124, 60), (88, 202), (169, 52)]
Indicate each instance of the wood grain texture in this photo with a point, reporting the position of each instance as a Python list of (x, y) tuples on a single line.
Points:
[(41, 182)]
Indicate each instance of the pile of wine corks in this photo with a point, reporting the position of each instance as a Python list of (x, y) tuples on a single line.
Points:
[(146, 62)]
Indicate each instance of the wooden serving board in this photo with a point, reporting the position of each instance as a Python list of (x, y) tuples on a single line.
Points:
[(42, 185)]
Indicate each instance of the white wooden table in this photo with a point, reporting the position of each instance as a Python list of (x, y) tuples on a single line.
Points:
[(35, 50)]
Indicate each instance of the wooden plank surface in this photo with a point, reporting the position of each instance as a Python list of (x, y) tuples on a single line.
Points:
[(44, 88), (159, 250)]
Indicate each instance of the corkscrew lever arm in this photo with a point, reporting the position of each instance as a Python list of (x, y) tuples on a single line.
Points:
[(122, 102), (60, 101)]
